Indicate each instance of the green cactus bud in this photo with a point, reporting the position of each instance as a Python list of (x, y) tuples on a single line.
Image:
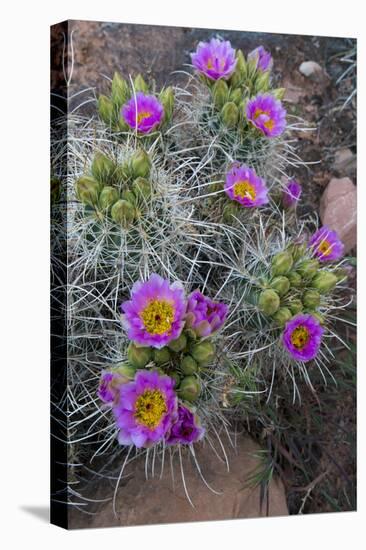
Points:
[(189, 388), (140, 164), (179, 344), (141, 188), (129, 196), (122, 173), (318, 316), (262, 82), (297, 250), (324, 281), (203, 352), (87, 190), (308, 268), (311, 299), (236, 95), (241, 64), (220, 93), (296, 306), (188, 365), (120, 90), (295, 279), (190, 333), (282, 263), (282, 316), (281, 285), (108, 196), (55, 189), (269, 301), (161, 356), (125, 370), (251, 68), (102, 168), (123, 212), (279, 93), (341, 274), (167, 99), (106, 110), (230, 210), (175, 376), (138, 356), (140, 84), (230, 114)]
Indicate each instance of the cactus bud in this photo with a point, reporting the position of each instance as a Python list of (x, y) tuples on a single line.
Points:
[(220, 92), (108, 196), (262, 82), (188, 365), (282, 316), (229, 211), (281, 285), (161, 356), (87, 190), (55, 190), (189, 389), (123, 212), (128, 196), (125, 370), (140, 84), (318, 316), (102, 168), (120, 90), (241, 64), (311, 299), (341, 274), (296, 306), (179, 344), (140, 164), (141, 188), (297, 250), (167, 99), (295, 279), (138, 356), (279, 93), (324, 281), (230, 114), (175, 376), (269, 301), (282, 263), (308, 268), (106, 110), (236, 95), (203, 352)]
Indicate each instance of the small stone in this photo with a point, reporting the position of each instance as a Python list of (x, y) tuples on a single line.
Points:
[(345, 162), (312, 69), (338, 210)]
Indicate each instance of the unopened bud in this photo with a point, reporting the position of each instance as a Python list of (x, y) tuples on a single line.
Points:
[(106, 110), (138, 356), (188, 365), (296, 306), (161, 356), (167, 99), (128, 196), (120, 90), (203, 352), (279, 93), (236, 96), (108, 196), (55, 190), (308, 268), (230, 114), (189, 388), (324, 281), (282, 263), (140, 84), (262, 82), (179, 344), (102, 168), (123, 212), (125, 370), (295, 279), (175, 376), (87, 190), (220, 92), (241, 64), (281, 285), (141, 188), (269, 301), (140, 164), (318, 316), (311, 299), (229, 211), (282, 316)]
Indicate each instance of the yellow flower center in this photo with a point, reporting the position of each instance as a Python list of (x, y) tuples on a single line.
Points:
[(244, 189), (325, 248), (209, 63), (158, 316), (141, 116), (300, 337), (269, 124), (150, 407)]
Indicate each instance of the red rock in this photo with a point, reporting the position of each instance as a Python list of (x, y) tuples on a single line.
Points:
[(338, 210), (155, 500), (345, 161)]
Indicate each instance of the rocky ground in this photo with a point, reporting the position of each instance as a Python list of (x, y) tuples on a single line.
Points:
[(312, 69)]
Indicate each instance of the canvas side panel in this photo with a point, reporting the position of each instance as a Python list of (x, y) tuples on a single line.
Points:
[(58, 265)]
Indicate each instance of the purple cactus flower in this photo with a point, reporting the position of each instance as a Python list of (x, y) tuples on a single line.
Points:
[(326, 245), (302, 337), (156, 312), (186, 429), (143, 113), (291, 194), (267, 114), (244, 186), (263, 58), (204, 315), (214, 59), (146, 409), (107, 391)]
